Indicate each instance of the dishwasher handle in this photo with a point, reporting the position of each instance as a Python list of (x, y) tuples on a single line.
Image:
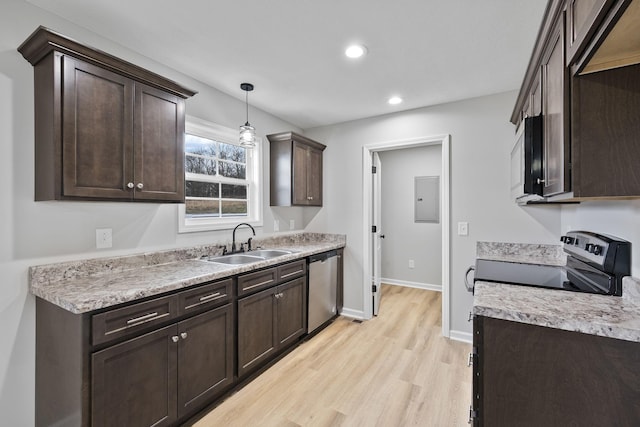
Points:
[(323, 256)]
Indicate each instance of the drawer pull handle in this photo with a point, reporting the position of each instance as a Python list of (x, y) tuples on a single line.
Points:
[(212, 296), (291, 274), (205, 299), (145, 318), (470, 361), (257, 284)]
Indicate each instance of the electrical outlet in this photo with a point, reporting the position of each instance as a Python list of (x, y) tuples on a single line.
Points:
[(292, 224), (463, 229), (276, 225), (412, 264), (104, 238)]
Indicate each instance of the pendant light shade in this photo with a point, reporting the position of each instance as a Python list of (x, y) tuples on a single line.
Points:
[(247, 132)]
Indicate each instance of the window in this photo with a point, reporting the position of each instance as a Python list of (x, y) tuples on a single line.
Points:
[(222, 186)]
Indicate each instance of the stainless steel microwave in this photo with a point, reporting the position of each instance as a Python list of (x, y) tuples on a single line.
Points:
[(526, 161)]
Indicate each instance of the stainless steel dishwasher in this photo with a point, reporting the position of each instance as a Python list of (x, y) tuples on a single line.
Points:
[(323, 283)]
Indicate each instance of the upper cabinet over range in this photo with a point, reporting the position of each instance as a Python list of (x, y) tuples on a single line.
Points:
[(105, 129), (296, 170), (584, 73)]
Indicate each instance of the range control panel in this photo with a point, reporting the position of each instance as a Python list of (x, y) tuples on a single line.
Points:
[(600, 250)]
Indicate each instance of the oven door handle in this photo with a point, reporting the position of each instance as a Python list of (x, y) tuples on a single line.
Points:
[(466, 278)]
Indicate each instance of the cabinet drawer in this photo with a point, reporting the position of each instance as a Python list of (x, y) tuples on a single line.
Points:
[(127, 320), (208, 296), (292, 270), (255, 281)]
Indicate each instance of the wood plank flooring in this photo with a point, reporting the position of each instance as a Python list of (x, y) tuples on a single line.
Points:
[(393, 370)]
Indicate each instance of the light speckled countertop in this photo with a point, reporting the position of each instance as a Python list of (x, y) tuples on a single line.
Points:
[(87, 285), (603, 315)]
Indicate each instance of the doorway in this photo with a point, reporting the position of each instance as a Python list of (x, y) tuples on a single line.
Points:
[(373, 234)]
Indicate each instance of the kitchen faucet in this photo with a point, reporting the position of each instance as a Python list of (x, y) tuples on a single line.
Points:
[(233, 243)]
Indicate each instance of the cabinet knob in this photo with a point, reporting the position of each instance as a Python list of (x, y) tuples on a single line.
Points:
[(130, 185), (540, 181), (140, 186), (183, 335), (175, 338)]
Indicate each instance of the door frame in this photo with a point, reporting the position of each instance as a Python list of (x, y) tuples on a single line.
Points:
[(367, 208)]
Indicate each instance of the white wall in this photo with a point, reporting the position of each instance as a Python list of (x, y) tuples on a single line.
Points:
[(406, 239), (617, 218), (44, 232), (481, 142)]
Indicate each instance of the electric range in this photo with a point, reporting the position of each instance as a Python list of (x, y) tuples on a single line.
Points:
[(596, 263)]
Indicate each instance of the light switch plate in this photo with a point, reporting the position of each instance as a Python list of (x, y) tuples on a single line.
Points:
[(276, 225), (104, 238), (292, 224), (463, 229)]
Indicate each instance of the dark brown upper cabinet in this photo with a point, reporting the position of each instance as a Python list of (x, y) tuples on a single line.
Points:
[(587, 62), (555, 114), (105, 129), (296, 170), (583, 17)]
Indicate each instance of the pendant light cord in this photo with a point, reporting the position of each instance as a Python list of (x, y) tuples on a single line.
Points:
[(246, 102)]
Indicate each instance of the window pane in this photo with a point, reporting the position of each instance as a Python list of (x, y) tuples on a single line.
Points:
[(197, 145), (234, 191), (233, 152), (199, 165), (234, 208), (232, 170), (201, 207), (202, 189)]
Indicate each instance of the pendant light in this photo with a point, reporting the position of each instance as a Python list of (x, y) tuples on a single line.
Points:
[(247, 132)]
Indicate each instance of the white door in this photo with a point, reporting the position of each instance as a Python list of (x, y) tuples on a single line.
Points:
[(377, 235)]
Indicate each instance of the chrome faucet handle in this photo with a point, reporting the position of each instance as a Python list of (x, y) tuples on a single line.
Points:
[(224, 249), (249, 244)]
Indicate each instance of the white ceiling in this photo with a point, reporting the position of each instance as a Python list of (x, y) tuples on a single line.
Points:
[(426, 51)]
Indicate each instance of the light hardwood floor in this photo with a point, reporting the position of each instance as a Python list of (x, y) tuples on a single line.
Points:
[(393, 370)]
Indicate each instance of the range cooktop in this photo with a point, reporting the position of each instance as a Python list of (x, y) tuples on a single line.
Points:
[(596, 264)]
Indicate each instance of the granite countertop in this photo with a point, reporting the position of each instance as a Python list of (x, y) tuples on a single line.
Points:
[(603, 315), (87, 285)]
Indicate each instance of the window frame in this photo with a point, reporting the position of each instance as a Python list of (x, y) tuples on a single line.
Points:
[(205, 129)]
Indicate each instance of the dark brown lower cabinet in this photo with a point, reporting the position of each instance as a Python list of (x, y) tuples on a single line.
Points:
[(135, 383), (269, 321), (159, 377), (527, 375)]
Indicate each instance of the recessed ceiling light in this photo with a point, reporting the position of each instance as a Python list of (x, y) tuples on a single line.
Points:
[(394, 100), (355, 51)]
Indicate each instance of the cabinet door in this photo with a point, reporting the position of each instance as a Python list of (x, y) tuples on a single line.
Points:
[(205, 358), (537, 376), (134, 383), (291, 311), (555, 115), (300, 174), (314, 177), (97, 133), (536, 96), (159, 145), (582, 19), (256, 330)]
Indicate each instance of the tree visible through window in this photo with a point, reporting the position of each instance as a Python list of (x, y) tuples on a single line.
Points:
[(216, 178)]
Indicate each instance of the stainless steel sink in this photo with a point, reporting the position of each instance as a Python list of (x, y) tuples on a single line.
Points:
[(270, 253), (236, 259)]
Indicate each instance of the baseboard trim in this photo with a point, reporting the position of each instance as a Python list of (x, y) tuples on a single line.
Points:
[(418, 285), (354, 314), (461, 336)]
